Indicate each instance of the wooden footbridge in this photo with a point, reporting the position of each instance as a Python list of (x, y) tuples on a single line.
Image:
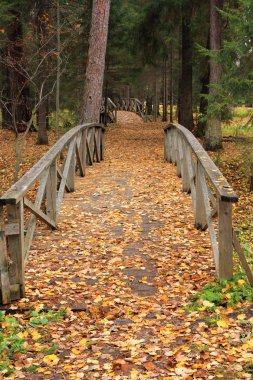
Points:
[(38, 196)]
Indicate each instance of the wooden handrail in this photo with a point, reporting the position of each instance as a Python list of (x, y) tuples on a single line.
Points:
[(222, 187), (82, 145), (20, 188), (211, 194)]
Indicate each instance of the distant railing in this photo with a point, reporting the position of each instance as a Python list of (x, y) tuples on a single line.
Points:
[(108, 111), (50, 177), (132, 105), (212, 197)]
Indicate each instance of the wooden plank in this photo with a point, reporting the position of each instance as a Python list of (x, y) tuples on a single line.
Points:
[(208, 217), (39, 214), (20, 188), (245, 265), (4, 270), (222, 187), (188, 160), (200, 216), (84, 150), (96, 145), (225, 265), (31, 224), (15, 214), (184, 165), (89, 156), (51, 193), (79, 161), (60, 176), (11, 229), (65, 176)]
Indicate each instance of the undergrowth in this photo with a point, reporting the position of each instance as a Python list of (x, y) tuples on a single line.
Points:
[(19, 336), (222, 293)]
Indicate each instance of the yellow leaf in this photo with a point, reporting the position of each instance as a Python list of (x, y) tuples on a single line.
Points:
[(240, 282), (222, 323), (35, 334), (208, 303), (83, 342), (228, 296), (241, 316), (51, 359)]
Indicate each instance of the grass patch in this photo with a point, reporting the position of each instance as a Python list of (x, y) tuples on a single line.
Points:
[(19, 336), (222, 293)]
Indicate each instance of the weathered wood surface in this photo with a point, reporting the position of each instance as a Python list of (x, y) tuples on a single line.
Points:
[(83, 143), (211, 193)]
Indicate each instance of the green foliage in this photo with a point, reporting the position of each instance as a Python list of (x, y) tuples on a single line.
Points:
[(223, 293), (14, 336)]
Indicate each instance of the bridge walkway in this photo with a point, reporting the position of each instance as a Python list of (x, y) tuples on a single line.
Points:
[(126, 256)]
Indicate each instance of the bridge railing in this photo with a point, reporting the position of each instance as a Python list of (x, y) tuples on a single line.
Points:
[(132, 105), (20, 207), (211, 194), (108, 111)]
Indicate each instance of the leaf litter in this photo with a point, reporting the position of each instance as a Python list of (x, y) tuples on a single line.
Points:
[(123, 264)]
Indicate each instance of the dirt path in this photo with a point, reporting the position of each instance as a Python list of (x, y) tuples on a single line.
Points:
[(126, 258)]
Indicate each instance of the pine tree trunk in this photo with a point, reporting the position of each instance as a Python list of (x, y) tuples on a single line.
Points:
[(185, 104), (42, 32), (17, 87), (165, 95), (171, 86), (213, 135), (203, 105), (94, 76)]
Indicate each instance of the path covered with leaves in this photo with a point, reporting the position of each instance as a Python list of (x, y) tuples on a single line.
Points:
[(123, 264)]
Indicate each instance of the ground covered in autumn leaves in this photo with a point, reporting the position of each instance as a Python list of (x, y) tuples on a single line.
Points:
[(108, 293)]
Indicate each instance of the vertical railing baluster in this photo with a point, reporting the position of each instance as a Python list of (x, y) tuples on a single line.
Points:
[(15, 215), (225, 239)]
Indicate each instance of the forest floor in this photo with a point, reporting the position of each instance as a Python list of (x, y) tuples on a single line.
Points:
[(108, 294)]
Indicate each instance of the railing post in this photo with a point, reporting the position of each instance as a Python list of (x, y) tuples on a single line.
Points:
[(225, 238), (200, 214), (72, 172), (15, 216), (4, 270), (51, 191)]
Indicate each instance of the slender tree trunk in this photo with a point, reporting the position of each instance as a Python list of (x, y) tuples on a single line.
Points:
[(185, 104), (18, 104), (165, 95), (94, 76), (42, 30), (213, 135), (7, 122), (203, 105), (171, 86), (57, 96)]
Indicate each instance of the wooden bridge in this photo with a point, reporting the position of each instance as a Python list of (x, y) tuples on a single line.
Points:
[(129, 209)]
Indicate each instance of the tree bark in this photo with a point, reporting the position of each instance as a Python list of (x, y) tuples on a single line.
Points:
[(171, 86), (165, 91), (42, 32), (16, 84), (213, 135), (185, 103), (203, 104), (94, 76)]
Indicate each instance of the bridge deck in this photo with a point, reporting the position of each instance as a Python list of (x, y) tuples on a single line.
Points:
[(126, 252)]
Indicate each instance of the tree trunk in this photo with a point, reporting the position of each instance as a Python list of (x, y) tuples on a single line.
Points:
[(213, 135), (42, 32), (171, 86), (203, 105), (165, 95), (94, 76), (185, 104), (16, 87)]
